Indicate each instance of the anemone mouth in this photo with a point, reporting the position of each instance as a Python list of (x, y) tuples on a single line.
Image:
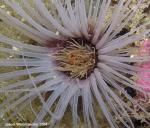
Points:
[(76, 58)]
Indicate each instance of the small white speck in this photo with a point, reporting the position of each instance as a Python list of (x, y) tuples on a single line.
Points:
[(146, 39), (131, 56), (57, 33), (15, 48), (8, 12), (2, 6)]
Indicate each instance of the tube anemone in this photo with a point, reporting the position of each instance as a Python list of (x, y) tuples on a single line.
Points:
[(79, 53)]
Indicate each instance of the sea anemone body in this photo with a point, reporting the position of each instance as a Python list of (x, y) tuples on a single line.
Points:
[(77, 55)]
